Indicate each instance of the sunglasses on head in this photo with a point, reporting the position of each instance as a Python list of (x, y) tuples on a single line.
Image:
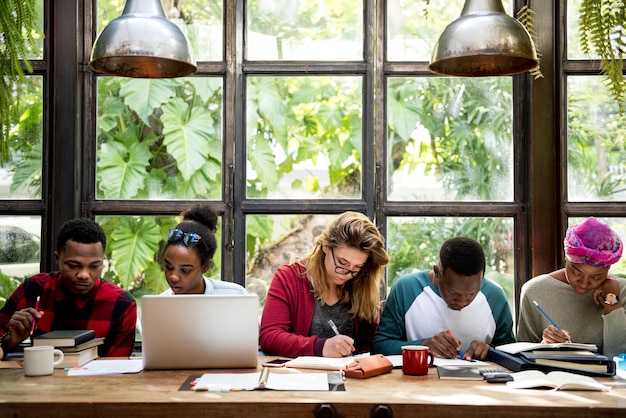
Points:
[(188, 238)]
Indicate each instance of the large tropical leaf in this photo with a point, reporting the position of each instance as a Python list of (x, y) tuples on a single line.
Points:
[(122, 174), (143, 95), (187, 135), (133, 247), (263, 162)]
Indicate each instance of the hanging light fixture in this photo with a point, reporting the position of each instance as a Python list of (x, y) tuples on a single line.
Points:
[(142, 43), (484, 41)]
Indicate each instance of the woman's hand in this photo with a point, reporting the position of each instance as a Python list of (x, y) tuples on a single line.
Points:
[(338, 346), (552, 335)]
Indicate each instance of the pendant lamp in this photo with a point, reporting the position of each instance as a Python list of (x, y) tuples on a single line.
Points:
[(484, 41), (142, 43)]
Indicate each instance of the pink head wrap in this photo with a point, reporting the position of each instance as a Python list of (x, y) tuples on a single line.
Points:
[(593, 243)]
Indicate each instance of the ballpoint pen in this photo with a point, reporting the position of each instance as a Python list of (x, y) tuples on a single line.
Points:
[(32, 326), (333, 326), (460, 353)]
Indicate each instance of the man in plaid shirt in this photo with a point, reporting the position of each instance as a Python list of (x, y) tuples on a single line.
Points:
[(75, 297)]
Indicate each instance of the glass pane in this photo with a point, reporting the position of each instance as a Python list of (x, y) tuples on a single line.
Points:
[(199, 20), (413, 244), (574, 48), (273, 240), (20, 176), (304, 137), (450, 138), (596, 151), (159, 138), (20, 248), (413, 28), (134, 244), (619, 226), (323, 30)]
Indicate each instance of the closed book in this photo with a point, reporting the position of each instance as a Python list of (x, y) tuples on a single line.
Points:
[(64, 337), (459, 373), (78, 358), (592, 361), (518, 362), (94, 342)]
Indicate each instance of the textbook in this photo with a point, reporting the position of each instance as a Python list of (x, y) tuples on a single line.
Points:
[(94, 342), (520, 362), (556, 380), (78, 358), (571, 360), (267, 379), (64, 337), (515, 348)]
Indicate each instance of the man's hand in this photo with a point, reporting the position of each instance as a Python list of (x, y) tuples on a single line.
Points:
[(443, 344), (19, 326)]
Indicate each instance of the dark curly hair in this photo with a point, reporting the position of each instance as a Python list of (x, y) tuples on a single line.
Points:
[(83, 230), (201, 220), (463, 255)]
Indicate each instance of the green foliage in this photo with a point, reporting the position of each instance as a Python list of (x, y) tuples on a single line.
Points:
[(602, 31), (19, 26)]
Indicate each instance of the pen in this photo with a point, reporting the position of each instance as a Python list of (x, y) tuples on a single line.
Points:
[(547, 316), (460, 353), (333, 326), (32, 326)]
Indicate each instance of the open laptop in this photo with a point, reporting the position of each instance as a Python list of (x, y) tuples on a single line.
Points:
[(200, 331)]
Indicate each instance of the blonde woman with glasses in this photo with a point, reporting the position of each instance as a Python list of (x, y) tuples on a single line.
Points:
[(327, 303)]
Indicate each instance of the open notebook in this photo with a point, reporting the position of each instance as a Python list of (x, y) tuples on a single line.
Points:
[(200, 331)]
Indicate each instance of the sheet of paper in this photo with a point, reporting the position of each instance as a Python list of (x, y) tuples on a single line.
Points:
[(323, 363), (104, 367), (396, 360), (225, 382)]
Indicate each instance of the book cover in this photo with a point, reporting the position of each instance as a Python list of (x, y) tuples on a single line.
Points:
[(459, 373), (94, 342), (64, 337), (78, 358), (592, 362), (555, 380)]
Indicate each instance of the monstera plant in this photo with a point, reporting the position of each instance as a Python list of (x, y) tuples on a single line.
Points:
[(19, 33)]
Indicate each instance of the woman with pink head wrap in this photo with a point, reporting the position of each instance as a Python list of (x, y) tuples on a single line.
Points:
[(582, 299)]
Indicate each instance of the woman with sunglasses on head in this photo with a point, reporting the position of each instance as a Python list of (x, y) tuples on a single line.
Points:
[(188, 255), (327, 303)]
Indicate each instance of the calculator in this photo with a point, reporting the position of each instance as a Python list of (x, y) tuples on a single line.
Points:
[(496, 375)]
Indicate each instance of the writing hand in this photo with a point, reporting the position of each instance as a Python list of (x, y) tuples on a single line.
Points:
[(443, 344), (552, 335), (20, 325), (338, 346)]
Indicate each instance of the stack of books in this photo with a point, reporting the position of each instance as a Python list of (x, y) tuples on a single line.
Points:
[(79, 346)]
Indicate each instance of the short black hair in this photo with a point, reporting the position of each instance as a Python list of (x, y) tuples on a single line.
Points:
[(463, 255), (83, 230)]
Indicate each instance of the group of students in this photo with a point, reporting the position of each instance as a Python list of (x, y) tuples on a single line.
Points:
[(327, 302)]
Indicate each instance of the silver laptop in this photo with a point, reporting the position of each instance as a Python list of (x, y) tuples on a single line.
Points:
[(200, 331)]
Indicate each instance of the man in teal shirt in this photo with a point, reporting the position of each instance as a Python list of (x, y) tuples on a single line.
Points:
[(453, 309)]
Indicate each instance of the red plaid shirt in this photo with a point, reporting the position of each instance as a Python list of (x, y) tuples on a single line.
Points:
[(108, 310)]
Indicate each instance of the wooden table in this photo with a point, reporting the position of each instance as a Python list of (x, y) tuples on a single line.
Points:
[(157, 393)]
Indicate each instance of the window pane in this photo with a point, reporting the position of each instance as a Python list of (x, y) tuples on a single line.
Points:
[(324, 30), (159, 138), (200, 21), (596, 151), (304, 137), (619, 226), (413, 243), (20, 176), (20, 247), (413, 28), (450, 138), (574, 49), (273, 240), (134, 245)]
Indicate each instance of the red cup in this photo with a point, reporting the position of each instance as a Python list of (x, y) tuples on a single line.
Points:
[(416, 359)]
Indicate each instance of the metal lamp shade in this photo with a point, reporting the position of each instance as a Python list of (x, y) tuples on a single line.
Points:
[(484, 41), (142, 43)]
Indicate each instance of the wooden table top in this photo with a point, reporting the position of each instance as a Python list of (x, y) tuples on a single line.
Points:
[(158, 393)]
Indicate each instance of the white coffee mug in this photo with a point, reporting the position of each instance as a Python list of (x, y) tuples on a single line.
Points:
[(39, 361)]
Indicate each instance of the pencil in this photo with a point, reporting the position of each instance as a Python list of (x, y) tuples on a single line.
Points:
[(547, 316), (32, 326)]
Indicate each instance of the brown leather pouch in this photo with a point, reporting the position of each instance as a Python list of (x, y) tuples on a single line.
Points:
[(369, 366)]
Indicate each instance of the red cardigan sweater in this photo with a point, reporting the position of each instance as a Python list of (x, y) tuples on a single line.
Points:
[(288, 313)]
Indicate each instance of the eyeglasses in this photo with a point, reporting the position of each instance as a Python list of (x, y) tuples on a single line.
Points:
[(343, 270), (188, 238)]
